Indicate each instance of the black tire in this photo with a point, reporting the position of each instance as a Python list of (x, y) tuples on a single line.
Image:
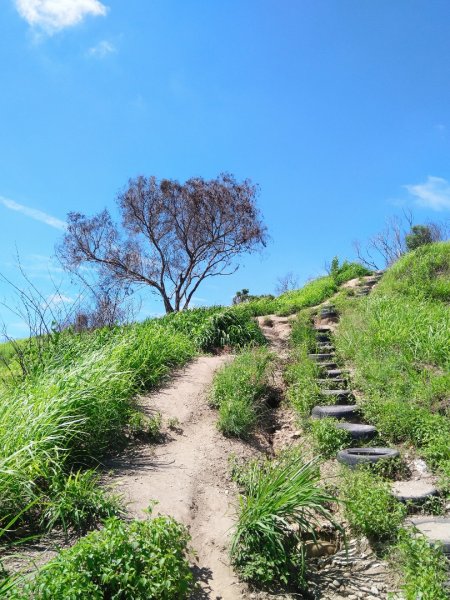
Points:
[(321, 337), (321, 356), (336, 411), (328, 313), (332, 373), (338, 394), (352, 457), (358, 431)]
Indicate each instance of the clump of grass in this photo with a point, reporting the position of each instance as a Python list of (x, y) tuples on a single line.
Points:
[(142, 560), (229, 328), (424, 567), (238, 392), (370, 507), (280, 505), (77, 503), (327, 437)]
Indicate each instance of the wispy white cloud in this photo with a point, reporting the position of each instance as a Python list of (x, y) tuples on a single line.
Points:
[(33, 213), (57, 299), (55, 15), (101, 50), (434, 193)]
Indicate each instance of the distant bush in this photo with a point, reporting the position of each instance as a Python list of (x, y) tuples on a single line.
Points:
[(142, 560), (346, 271)]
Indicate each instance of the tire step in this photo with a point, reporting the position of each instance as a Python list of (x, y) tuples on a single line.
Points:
[(337, 411), (435, 529), (329, 380), (321, 356), (325, 347), (416, 492), (324, 330), (353, 457), (332, 373), (321, 337), (358, 431)]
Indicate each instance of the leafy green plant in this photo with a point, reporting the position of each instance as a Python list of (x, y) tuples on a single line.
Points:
[(281, 503), (232, 327), (145, 560), (327, 437), (369, 505), (424, 567), (346, 271), (238, 391), (77, 503)]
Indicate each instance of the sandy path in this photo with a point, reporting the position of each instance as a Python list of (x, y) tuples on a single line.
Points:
[(187, 474)]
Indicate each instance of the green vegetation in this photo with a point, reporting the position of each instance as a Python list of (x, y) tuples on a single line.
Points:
[(311, 294), (346, 271), (279, 507), (370, 507), (327, 437), (398, 342), (76, 502), (78, 398), (424, 567), (301, 374), (140, 560), (238, 391), (229, 328)]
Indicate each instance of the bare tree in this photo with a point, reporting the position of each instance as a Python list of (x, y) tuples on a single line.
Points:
[(173, 236), (286, 283), (387, 246)]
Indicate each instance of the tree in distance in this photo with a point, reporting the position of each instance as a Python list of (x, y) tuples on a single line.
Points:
[(172, 237), (419, 236)]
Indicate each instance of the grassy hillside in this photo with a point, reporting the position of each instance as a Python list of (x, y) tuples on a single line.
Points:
[(398, 340)]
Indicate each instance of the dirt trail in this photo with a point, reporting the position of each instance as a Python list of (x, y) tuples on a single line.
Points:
[(187, 474)]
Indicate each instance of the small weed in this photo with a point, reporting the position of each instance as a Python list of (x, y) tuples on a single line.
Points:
[(174, 424), (369, 505), (424, 567), (327, 437)]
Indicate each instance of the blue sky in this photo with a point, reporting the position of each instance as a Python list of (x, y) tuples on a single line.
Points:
[(338, 109)]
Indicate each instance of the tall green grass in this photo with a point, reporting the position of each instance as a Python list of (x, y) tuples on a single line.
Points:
[(238, 391), (79, 395), (281, 505)]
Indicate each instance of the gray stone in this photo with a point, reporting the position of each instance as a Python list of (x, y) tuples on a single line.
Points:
[(413, 491), (436, 529)]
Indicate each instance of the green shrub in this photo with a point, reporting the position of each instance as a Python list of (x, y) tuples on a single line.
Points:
[(327, 437), (369, 505), (141, 560), (232, 327), (76, 502), (424, 567), (238, 390), (346, 271), (281, 503)]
